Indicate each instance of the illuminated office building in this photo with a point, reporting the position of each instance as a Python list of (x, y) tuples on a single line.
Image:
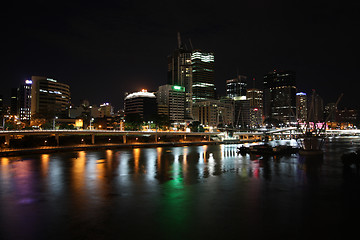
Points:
[(203, 76), (24, 101), (180, 74), (106, 110), (173, 97), (280, 96), (255, 97), (1, 109), (49, 98), (141, 103), (301, 107), (236, 87)]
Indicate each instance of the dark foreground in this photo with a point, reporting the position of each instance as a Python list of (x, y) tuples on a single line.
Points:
[(194, 192)]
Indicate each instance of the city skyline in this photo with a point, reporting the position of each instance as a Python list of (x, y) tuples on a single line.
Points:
[(121, 47)]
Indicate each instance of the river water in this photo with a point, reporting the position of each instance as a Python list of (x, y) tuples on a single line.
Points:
[(193, 192)]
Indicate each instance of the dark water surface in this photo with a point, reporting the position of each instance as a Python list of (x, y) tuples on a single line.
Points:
[(195, 192)]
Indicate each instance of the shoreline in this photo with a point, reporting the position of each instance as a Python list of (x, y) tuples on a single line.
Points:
[(19, 152)]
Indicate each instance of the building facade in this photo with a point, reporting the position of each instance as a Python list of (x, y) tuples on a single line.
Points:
[(301, 107), (106, 110), (49, 98), (142, 103), (255, 97), (280, 96), (242, 113), (180, 74), (174, 98), (207, 112), (1, 110), (227, 115), (24, 101), (236, 87), (203, 76), (14, 102)]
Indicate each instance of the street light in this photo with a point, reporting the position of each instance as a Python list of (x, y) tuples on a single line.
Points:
[(54, 122), (91, 120)]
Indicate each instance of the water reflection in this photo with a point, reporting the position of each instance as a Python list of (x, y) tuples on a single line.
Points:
[(191, 164), (168, 188)]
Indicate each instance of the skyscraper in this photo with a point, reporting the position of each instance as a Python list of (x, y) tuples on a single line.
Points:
[(236, 87), (180, 74), (301, 107), (279, 96), (1, 110), (255, 97), (173, 97), (49, 98), (24, 101), (203, 77), (14, 102)]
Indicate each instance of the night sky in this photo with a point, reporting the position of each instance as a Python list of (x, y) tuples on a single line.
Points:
[(106, 48)]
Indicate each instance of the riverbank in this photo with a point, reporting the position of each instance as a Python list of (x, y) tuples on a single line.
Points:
[(51, 149)]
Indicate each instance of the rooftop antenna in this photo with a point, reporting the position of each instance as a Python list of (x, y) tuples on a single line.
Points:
[(179, 40), (253, 83), (191, 46)]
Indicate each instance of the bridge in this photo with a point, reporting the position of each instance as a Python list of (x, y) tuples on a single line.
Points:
[(156, 135)]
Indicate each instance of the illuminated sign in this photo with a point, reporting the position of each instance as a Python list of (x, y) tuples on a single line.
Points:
[(28, 82), (178, 88), (51, 80)]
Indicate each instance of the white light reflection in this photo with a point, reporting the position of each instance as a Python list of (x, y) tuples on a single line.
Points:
[(151, 157), (201, 160), (211, 164)]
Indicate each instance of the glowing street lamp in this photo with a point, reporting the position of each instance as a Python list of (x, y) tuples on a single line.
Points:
[(54, 122)]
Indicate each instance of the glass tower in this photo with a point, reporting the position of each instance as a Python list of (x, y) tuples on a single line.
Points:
[(203, 78), (280, 96)]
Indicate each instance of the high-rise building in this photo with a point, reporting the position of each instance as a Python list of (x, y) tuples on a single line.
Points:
[(209, 113), (173, 97), (348, 116), (255, 97), (14, 102), (1, 110), (142, 103), (24, 101), (227, 114), (242, 113), (180, 74), (49, 98), (236, 87), (203, 76), (301, 107), (106, 110), (280, 96), (330, 111)]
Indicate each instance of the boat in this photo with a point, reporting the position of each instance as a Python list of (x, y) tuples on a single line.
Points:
[(310, 144), (266, 149)]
